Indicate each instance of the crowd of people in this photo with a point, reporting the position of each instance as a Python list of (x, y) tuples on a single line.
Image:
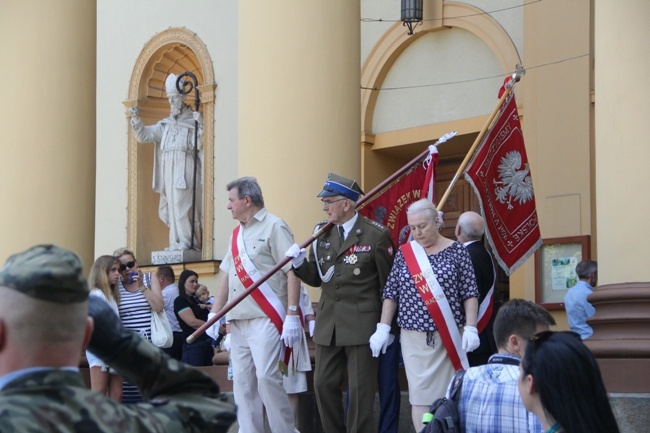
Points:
[(380, 303)]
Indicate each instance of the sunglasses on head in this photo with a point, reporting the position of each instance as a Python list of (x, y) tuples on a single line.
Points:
[(124, 266)]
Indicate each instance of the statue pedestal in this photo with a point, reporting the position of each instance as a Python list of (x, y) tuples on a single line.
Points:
[(178, 256)]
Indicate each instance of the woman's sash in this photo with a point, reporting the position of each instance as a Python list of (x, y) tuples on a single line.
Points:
[(436, 302)]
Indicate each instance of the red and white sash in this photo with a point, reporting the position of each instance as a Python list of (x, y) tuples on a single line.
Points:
[(436, 302), (248, 275), (485, 308)]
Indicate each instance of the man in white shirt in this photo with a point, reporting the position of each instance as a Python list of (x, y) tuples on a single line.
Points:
[(266, 320)]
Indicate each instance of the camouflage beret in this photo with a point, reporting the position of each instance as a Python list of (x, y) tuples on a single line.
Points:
[(48, 273)]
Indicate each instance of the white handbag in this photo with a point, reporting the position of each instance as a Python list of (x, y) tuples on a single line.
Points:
[(161, 330)]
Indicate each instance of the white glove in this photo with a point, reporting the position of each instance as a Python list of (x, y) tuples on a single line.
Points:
[(379, 340), (291, 330), (470, 338), (298, 255), (225, 343), (213, 331), (312, 326)]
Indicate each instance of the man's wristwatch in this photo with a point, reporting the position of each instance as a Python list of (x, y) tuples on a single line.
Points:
[(293, 308)]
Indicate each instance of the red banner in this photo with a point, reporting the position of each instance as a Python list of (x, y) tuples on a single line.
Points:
[(389, 207), (500, 175)]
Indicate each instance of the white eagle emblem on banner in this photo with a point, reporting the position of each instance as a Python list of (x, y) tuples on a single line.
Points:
[(515, 182)]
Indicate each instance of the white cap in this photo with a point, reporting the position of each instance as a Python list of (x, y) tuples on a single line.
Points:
[(170, 84)]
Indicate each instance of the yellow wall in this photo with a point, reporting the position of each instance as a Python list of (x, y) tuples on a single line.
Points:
[(557, 126), (554, 100), (47, 125), (622, 152), (298, 101)]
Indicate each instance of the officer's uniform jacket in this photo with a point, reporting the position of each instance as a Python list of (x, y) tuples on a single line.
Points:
[(350, 304)]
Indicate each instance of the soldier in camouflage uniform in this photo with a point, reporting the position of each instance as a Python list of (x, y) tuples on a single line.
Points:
[(44, 326)]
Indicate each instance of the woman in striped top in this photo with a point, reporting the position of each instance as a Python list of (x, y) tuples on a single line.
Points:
[(139, 294)]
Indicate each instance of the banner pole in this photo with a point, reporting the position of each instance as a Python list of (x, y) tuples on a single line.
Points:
[(477, 142), (308, 242)]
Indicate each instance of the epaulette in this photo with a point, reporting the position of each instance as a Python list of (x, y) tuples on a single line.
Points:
[(319, 225), (376, 224)]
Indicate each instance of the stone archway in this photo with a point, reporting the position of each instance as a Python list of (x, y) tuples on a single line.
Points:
[(174, 50), (395, 41), (443, 15)]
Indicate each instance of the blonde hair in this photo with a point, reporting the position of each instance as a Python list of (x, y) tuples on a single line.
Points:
[(98, 277), (123, 251)]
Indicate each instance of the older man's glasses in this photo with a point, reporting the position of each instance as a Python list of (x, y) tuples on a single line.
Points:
[(129, 265), (328, 203)]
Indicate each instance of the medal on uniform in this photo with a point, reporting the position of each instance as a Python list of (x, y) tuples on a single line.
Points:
[(351, 259), (356, 271)]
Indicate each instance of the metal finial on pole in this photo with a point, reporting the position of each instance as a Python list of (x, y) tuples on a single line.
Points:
[(184, 87)]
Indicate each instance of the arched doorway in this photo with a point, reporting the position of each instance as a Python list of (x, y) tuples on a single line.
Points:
[(387, 144)]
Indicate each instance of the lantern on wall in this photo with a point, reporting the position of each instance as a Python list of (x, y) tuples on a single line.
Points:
[(411, 14)]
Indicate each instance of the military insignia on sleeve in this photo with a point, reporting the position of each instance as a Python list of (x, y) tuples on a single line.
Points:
[(390, 250)]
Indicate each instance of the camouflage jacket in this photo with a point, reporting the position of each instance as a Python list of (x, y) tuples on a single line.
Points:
[(59, 401)]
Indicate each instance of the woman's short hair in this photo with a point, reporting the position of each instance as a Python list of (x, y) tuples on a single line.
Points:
[(124, 251), (423, 206)]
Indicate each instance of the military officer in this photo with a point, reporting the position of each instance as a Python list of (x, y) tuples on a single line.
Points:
[(350, 262), (44, 326)]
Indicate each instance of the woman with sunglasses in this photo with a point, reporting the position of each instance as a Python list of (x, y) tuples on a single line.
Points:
[(191, 316), (139, 295), (561, 383), (103, 282)]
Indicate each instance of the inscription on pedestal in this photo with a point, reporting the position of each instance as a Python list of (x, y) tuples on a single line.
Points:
[(179, 256)]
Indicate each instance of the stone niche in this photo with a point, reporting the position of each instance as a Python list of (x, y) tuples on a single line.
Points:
[(174, 50)]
